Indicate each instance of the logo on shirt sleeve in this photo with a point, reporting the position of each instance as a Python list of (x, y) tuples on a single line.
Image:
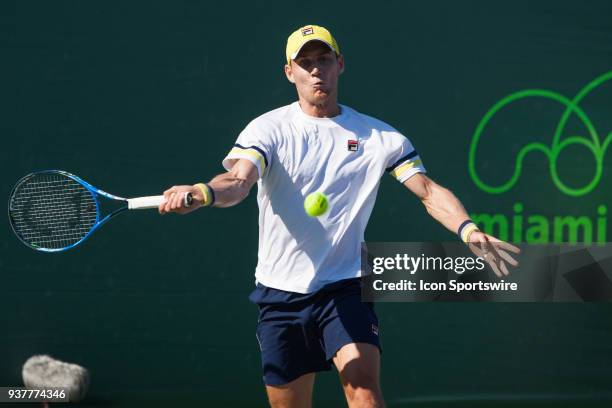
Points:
[(352, 145)]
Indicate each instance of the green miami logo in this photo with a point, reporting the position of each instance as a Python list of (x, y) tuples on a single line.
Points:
[(538, 228)]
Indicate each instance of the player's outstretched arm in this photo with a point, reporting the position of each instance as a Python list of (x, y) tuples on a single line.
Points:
[(440, 202), (446, 208), (225, 190)]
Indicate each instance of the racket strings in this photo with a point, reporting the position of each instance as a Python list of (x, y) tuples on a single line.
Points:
[(51, 210)]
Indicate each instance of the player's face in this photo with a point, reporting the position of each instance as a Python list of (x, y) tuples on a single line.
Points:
[(315, 73)]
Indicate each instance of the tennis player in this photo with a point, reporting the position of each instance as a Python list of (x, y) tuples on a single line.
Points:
[(308, 271)]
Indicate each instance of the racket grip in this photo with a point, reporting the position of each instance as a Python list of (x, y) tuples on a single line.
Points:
[(188, 200), (143, 203)]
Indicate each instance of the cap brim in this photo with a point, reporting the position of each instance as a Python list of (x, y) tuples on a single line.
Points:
[(295, 54)]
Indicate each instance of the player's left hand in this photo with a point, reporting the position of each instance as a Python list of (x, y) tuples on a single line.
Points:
[(494, 251)]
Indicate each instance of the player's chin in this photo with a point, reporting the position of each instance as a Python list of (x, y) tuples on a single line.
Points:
[(320, 91), (320, 95)]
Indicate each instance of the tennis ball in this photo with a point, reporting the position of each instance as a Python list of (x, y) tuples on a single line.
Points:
[(315, 204)]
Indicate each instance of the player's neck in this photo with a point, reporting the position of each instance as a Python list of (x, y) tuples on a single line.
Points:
[(326, 110)]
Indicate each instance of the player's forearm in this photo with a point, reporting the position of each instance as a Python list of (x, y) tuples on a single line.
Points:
[(225, 190), (444, 207), (228, 189)]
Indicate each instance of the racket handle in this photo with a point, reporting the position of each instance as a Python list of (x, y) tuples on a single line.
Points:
[(144, 203), (188, 200)]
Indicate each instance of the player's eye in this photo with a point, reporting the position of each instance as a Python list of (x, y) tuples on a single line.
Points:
[(324, 59), (304, 63)]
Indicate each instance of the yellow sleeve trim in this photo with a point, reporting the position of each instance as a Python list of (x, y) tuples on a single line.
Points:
[(406, 166), (253, 153)]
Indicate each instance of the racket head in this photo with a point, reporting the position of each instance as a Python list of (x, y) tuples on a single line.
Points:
[(53, 210)]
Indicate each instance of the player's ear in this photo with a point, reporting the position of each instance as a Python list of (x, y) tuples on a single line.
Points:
[(340, 63), (289, 73)]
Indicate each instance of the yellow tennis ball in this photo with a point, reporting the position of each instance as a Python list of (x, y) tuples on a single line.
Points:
[(315, 204)]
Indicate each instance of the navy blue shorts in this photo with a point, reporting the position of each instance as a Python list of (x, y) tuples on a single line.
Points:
[(301, 333)]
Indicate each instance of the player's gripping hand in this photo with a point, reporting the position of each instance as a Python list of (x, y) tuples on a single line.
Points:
[(175, 200), (494, 251)]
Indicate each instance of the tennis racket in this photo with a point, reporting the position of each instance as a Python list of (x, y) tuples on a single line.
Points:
[(54, 211)]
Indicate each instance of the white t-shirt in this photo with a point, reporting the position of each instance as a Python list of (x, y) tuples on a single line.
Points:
[(343, 157)]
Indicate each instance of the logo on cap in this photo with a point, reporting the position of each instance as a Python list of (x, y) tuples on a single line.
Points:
[(352, 145), (307, 31)]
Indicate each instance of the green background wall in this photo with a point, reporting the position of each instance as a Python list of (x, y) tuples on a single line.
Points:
[(137, 96)]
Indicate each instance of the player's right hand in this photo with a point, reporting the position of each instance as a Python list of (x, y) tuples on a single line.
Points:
[(175, 199)]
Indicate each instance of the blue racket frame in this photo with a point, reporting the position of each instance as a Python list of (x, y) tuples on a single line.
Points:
[(96, 192)]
